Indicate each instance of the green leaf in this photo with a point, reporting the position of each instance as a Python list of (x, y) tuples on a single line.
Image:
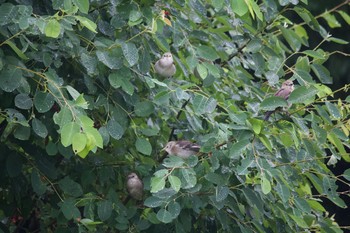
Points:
[(69, 210), (239, 7), (245, 164), (221, 193), (337, 40), (283, 191), (345, 16), (322, 73), (331, 20), (215, 178), (115, 129), (256, 125), (236, 149), (257, 10), (144, 109), (22, 132), (53, 28), (202, 104), (333, 110), (265, 185), (330, 189), (175, 182), (10, 79), (291, 37), (39, 128), (162, 98), (314, 54), (135, 18), (38, 186), (87, 23), (110, 58), (104, 210), (122, 79), (188, 178), (302, 205), (173, 161), (346, 174), (43, 101), (302, 94), (161, 42), (266, 142), (307, 17), (316, 205), (67, 133), (202, 71), (303, 76), (16, 50), (300, 222), (153, 202), (130, 53), (143, 146), (273, 102), (96, 135), (79, 142), (70, 187), (157, 184), (23, 101), (8, 12), (174, 209), (161, 173), (207, 53), (63, 117), (83, 5), (334, 139), (164, 216)]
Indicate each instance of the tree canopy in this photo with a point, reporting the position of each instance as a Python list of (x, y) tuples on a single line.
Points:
[(82, 107)]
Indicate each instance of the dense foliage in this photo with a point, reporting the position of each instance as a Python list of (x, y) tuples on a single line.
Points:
[(81, 107)]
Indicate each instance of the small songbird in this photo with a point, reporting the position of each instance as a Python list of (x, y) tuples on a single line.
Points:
[(165, 66), (183, 149), (284, 92), (134, 186)]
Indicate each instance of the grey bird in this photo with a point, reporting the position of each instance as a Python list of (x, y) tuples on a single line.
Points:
[(284, 92), (165, 66), (135, 186), (183, 149)]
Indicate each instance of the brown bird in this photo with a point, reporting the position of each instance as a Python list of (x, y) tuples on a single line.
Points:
[(135, 186), (183, 149), (284, 92), (165, 66)]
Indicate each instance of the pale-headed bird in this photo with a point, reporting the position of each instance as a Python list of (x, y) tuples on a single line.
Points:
[(165, 66), (134, 186), (183, 149), (284, 92)]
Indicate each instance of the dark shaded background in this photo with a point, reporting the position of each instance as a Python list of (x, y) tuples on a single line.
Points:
[(339, 66)]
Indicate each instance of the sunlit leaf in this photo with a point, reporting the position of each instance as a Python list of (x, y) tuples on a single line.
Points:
[(175, 182), (53, 28), (273, 102), (83, 5), (164, 216), (265, 185), (143, 146)]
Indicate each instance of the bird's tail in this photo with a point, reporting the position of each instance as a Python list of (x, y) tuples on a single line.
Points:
[(267, 115)]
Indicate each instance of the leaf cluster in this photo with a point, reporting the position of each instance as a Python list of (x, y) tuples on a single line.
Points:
[(82, 107)]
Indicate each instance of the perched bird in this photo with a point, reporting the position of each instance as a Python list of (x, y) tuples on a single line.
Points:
[(165, 66), (183, 149), (134, 186), (284, 92)]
